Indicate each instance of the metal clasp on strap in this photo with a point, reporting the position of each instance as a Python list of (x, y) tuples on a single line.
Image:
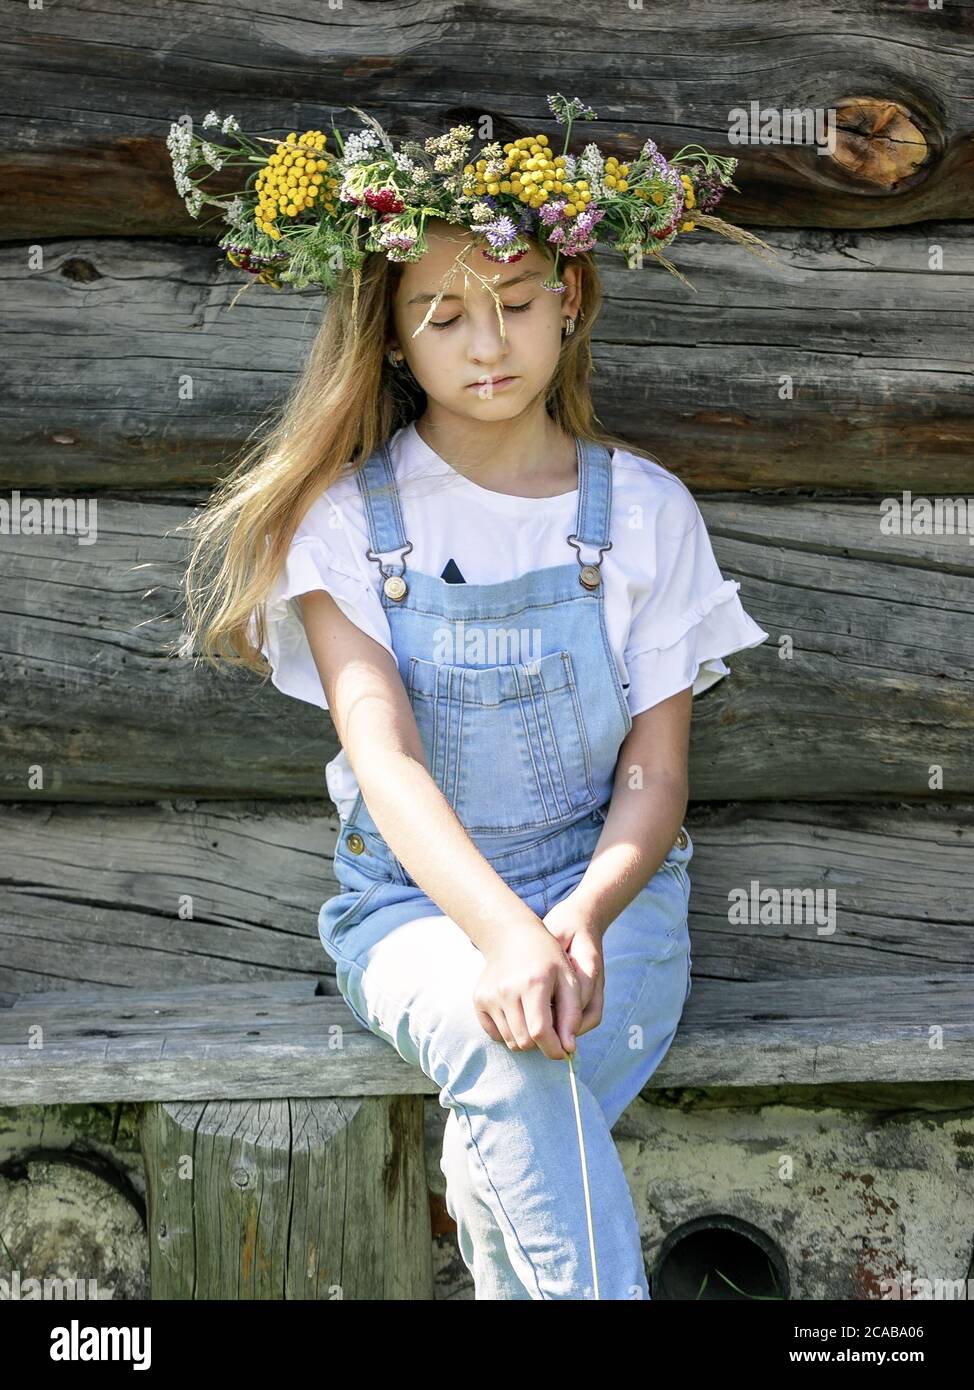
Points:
[(394, 585), (590, 575)]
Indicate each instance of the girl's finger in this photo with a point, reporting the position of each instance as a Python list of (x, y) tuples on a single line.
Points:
[(592, 1013), (489, 1026), (540, 1014), (521, 1039), (568, 1010)]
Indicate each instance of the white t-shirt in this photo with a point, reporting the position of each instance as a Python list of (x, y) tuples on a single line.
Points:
[(670, 614)]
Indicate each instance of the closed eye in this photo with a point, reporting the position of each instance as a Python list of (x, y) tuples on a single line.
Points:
[(511, 308)]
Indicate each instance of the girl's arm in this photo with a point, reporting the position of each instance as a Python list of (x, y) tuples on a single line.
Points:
[(649, 802), (529, 976)]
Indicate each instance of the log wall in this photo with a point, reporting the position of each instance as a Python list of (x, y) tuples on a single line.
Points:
[(791, 397)]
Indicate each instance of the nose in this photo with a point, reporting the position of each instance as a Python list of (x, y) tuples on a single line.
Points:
[(486, 348)]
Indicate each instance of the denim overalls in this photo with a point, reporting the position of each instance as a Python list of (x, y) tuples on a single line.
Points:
[(521, 714)]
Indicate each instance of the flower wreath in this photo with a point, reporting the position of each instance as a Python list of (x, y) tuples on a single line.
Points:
[(307, 214)]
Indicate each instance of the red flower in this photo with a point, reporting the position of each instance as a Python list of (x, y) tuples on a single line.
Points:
[(384, 200)]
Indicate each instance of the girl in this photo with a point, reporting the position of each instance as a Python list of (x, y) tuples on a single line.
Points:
[(507, 613)]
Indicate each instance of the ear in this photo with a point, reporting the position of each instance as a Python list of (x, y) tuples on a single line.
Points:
[(572, 298)]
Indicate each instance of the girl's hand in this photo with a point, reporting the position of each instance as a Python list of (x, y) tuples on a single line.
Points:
[(581, 941), (529, 994)]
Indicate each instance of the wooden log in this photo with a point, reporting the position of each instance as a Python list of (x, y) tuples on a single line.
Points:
[(72, 1227), (148, 896), (862, 691), (141, 898), (288, 1199), (189, 1042), (98, 164), (219, 1040), (793, 376)]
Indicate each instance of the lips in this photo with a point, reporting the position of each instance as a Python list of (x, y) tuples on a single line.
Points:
[(493, 381)]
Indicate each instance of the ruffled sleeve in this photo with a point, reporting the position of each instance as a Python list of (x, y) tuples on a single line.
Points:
[(691, 620), (314, 562)]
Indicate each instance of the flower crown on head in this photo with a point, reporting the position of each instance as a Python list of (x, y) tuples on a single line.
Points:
[(307, 214)]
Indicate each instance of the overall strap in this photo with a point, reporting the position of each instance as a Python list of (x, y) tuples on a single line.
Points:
[(593, 519), (383, 512)]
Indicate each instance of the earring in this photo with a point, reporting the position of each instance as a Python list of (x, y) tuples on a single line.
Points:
[(569, 327), (395, 359)]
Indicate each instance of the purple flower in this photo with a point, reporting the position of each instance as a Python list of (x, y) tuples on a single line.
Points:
[(550, 213), (500, 233)]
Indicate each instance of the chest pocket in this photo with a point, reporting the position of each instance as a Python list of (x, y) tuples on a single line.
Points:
[(507, 745)]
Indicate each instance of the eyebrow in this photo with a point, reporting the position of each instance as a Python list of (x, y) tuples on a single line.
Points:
[(515, 280)]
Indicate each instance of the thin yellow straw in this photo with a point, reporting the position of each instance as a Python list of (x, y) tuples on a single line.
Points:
[(588, 1200)]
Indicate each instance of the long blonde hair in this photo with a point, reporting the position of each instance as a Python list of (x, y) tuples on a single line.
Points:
[(347, 401)]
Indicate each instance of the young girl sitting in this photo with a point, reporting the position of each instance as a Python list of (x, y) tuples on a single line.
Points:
[(507, 613)]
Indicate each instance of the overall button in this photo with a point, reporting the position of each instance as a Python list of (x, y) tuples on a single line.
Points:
[(682, 840), (355, 843)]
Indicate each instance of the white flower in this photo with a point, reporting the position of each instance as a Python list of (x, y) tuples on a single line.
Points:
[(230, 123), (358, 145), (403, 162), (179, 143), (211, 155), (211, 118), (592, 166)]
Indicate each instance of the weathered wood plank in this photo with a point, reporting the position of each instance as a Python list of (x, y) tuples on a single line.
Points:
[(97, 163), (153, 895), (864, 686), (95, 896), (695, 378), (290, 1199), (847, 1028)]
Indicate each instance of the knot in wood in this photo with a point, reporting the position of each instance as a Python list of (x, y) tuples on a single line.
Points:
[(878, 142)]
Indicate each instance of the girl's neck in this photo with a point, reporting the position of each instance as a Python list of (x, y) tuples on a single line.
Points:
[(521, 458)]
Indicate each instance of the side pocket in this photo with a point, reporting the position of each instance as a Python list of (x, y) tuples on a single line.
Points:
[(352, 914), (375, 860), (678, 870)]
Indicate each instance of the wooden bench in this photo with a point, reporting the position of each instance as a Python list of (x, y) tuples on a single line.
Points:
[(283, 1142)]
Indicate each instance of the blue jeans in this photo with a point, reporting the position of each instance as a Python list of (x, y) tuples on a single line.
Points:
[(510, 1151)]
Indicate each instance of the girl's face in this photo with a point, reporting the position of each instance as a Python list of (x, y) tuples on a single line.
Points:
[(460, 359)]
